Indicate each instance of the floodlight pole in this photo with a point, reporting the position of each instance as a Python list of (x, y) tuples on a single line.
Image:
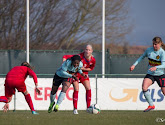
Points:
[(27, 31), (103, 39)]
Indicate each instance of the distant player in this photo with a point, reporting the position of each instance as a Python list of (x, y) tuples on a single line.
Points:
[(89, 62), (15, 79), (65, 75), (156, 57)]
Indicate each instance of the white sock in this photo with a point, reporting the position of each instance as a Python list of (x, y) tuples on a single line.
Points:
[(61, 98), (52, 97), (147, 95)]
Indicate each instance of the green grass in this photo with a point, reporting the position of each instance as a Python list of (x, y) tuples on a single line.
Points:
[(83, 118)]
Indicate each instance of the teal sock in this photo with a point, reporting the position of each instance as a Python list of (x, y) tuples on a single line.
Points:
[(147, 95), (61, 98), (52, 97)]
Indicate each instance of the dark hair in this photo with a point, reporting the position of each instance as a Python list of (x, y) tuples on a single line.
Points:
[(27, 65), (159, 40), (75, 57)]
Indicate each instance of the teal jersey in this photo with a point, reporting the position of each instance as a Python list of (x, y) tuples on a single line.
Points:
[(66, 69), (156, 58)]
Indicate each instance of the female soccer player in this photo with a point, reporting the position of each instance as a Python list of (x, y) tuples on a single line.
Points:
[(156, 57), (65, 75), (15, 79), (88, 61)]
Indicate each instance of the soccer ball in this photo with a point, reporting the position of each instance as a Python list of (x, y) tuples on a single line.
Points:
[(94, 109)]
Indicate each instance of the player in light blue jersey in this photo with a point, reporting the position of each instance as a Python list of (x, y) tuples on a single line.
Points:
[(65, 75), (155, 72)]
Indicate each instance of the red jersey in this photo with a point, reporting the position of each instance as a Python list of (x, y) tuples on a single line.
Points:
[(86, 63), (20, 73)]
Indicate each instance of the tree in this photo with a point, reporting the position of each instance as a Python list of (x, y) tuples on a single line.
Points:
[(118, 23), (12, 24), (62, 24)]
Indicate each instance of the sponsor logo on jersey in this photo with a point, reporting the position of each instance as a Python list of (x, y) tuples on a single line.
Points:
[(153, 62), (157, 57)]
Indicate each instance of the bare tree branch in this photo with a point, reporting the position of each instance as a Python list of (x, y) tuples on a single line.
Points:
[(62, 24)]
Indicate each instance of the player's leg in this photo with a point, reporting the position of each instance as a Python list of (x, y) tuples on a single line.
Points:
[(148, 81), (65, 86), (21, 87), (163, 90), (9, 95), (53, 93), (75, 96), (56, 83), (4, 99), (9, 91), (87, 86), (29, 101), (52, 97), (161, 82)]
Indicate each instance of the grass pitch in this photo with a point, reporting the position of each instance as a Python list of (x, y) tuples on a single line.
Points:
[(83, 118)]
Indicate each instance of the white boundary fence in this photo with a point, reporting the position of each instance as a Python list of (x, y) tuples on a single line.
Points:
[(109, 93)]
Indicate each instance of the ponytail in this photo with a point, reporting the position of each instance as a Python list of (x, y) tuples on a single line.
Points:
[(163, 46)]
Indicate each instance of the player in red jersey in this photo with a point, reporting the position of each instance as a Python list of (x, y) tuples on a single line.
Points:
[(15, 79), (88, 61)]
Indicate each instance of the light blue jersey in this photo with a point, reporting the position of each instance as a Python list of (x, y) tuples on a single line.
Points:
[(156, 58), (67, 68)]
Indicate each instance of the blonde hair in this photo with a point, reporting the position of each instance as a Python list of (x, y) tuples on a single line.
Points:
[(89, 45), (159, 40)]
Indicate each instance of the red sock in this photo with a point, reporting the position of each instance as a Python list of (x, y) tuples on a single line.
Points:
[(29, 101), (3, 99), (88, 97), (75, 99)]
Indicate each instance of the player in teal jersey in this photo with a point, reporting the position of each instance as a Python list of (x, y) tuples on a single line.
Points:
[(65, 75), (155, 72)]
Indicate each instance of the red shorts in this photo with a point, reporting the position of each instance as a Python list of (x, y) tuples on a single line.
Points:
[(81, 78), (11, 85)]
